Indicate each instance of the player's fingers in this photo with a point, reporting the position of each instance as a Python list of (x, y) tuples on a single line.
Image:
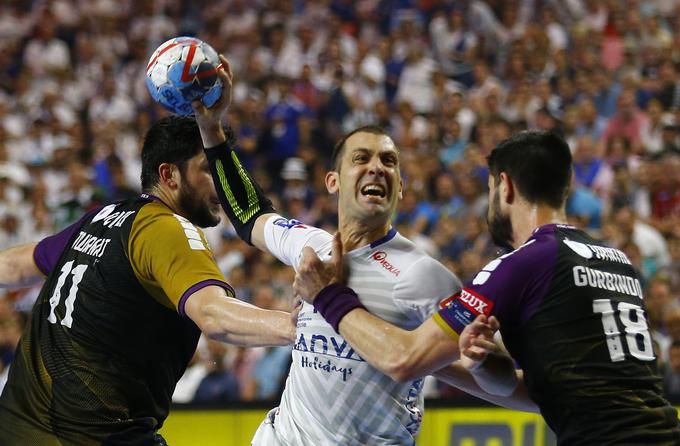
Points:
[(482, 330), (297, 301), (482, 319), (474, 354), (336, 256), (494, 324), (227, 67), (198, 107), (484, 344), (309, 258)]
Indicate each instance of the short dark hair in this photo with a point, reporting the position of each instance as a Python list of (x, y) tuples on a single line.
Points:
[(174, 139), (336, 155), (538, 162)]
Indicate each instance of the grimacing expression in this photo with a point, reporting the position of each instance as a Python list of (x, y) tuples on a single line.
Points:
[(197, 196), (500, 225), (368, 181)]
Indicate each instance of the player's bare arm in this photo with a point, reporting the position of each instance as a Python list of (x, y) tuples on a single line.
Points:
[(458, 376), (399, 353), (490, 365), (17, 267), (225, 318)]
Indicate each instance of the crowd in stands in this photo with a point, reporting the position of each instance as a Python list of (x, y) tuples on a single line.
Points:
[(447, 79)]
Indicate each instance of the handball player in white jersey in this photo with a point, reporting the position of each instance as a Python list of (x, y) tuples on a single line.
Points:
[(332, 396)]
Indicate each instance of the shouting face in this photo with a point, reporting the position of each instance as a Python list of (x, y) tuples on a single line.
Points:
[(367, 180)]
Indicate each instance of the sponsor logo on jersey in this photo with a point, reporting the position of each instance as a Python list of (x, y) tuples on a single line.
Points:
[(461, 309), (112, 219), (476, 303), (326, 350), (288, 224), (446, 302), (610, 254), (325, 365), (579, 248), (381, 258)]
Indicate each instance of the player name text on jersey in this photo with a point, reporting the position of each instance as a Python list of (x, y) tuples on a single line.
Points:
[(584, 276), (90, 245)]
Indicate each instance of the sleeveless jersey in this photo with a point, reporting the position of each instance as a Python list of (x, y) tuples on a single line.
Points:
[(107, 342), (332, 395), (572, 315)]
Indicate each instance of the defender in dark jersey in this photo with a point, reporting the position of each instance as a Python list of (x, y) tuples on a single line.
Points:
[(571, 311), (128, 290)]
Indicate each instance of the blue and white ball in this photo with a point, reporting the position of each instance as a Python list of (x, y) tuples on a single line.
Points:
[(182, 70)]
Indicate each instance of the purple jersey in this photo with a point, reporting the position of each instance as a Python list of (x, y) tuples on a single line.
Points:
[(572, 315)]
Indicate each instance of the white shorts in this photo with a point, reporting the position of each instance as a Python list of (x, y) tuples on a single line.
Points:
[(266, 434)]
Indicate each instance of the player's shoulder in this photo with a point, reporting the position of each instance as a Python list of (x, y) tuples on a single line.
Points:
[(414, 261), (296, 235), (158, 221), (536, 254)]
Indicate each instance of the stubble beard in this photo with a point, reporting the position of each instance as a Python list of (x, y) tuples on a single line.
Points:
[(196, 211), (500, 226)]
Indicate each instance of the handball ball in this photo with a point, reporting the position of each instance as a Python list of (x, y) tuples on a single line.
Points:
[(183, 70)]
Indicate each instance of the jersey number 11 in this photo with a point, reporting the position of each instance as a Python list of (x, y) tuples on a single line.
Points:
[(77, 274)]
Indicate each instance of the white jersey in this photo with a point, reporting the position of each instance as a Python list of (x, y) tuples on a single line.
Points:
[(332, 395)]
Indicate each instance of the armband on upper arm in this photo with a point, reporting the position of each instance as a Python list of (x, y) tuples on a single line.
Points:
[(241, 197)]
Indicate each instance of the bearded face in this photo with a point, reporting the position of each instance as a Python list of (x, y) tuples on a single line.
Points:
[(500, 225)]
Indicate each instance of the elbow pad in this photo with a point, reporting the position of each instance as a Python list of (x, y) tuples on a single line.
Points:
[(241, 197)]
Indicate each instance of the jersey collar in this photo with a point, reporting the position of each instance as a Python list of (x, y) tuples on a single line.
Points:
[(389, 236), (153, 197), (551, 227)]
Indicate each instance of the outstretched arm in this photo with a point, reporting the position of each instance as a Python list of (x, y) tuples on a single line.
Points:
[(17, 267), (458, 376), (224, 318), (490, 365), (401, 354), (241, 197)]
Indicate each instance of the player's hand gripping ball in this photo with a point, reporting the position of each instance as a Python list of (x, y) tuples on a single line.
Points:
[(182, 70)]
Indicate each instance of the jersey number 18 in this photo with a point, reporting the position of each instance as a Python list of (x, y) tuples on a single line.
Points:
[(635, 326)]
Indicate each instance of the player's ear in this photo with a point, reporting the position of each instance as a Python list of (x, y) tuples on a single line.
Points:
[(401, 188), (332, 181), (169, 174), (507, 188)]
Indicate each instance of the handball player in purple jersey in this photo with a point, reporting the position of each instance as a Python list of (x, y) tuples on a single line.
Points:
[(570, 309)]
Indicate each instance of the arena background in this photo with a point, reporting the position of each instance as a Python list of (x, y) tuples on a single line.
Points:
[(448, 79)]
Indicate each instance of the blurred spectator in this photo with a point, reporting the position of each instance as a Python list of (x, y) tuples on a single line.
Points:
[(591, 123), (628, 122), (282, 118), (219, 385), (649, 241), (271, 367), (296, 187)]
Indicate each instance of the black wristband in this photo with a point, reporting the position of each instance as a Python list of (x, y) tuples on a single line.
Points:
[(241, 197), (334, 302)]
